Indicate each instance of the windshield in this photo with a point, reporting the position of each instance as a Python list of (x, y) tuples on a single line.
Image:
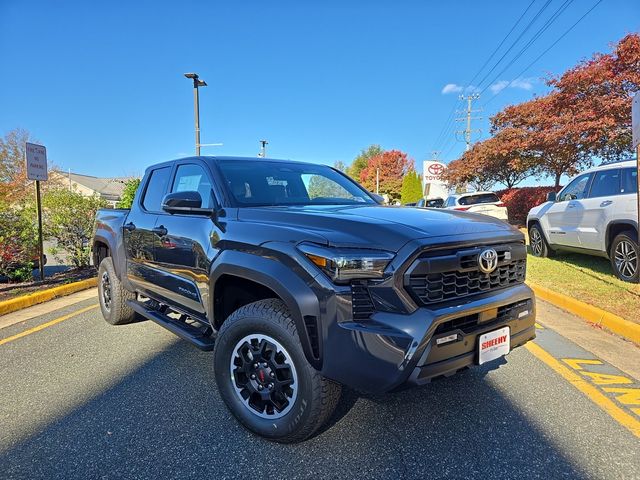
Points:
[(264, 183)]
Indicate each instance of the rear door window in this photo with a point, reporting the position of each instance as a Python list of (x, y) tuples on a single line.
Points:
[(629, 181), (605, 183), (156, 189)]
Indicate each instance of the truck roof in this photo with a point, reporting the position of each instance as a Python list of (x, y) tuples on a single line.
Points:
[(217, 158)]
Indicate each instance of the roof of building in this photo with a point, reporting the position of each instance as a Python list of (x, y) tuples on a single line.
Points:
[(107, 188)]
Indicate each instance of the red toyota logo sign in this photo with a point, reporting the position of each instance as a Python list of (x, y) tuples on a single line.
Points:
[(435, 169)]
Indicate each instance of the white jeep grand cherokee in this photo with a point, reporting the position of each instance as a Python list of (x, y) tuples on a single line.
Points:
[(596, 214)]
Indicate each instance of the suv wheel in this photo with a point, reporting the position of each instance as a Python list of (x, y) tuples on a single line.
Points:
[(625, 257), (537, 242), (264, 378), (113, 298)]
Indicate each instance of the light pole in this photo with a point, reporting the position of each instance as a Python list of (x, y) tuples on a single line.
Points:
[(196, 105)]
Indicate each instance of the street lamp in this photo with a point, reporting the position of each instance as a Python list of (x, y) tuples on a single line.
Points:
[(196, 105)]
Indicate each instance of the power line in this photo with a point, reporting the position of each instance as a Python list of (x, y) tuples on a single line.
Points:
[(502, 42), (526, 29), (545, 51), (531, 41)]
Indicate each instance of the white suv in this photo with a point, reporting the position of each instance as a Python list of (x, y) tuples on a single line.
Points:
[(596, 214), (487, 203)]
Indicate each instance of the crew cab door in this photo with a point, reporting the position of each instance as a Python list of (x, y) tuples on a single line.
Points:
[(599, 208), (187, 242), (560, 221), (140, 239)]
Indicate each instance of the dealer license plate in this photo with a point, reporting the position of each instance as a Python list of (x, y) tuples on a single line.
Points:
[(493, 345)]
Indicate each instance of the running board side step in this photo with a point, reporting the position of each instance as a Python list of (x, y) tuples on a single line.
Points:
[(179, 328)]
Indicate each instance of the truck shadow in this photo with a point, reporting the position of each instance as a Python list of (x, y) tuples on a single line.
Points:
[(166, 420)]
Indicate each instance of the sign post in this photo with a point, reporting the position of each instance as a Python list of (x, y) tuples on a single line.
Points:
[(635, 128), (36, 158)]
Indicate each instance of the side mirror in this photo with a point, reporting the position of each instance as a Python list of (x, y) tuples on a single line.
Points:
[(377, 198), (184, 202), (551, 196)]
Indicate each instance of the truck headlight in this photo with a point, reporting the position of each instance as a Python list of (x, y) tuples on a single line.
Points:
[(344, 264)]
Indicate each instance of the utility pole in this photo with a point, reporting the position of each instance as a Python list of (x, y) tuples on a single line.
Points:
[(196, 105), (467, 131), (263, 148)]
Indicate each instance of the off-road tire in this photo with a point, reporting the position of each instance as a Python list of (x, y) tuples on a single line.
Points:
[(317, 396), (537, 242), (115, 311), (625, 243)]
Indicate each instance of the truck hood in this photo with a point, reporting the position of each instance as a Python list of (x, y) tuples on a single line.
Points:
[(374, 226)]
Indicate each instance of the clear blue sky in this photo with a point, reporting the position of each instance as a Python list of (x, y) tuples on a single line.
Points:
[(101, 85)]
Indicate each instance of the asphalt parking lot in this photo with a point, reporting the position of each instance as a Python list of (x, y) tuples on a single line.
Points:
[(82, 399)]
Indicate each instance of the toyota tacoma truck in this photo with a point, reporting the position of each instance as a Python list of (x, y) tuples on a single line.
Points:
[(301, 283)]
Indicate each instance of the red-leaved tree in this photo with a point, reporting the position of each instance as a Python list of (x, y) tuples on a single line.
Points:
[(391, 166)]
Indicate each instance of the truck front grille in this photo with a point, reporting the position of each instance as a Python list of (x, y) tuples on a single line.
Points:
[(434, 278)]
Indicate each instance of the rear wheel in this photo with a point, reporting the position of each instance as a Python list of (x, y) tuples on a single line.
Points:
[(537, 242), (625, 257), (113, 297), (264, 377)]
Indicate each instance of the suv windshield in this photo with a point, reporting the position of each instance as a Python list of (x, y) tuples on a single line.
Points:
[(480, 198), (264, 183)]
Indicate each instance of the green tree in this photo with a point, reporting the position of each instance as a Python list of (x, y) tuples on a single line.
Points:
[(339, 165), (362, 160), (411, 188), (68, 219), (129, 192)]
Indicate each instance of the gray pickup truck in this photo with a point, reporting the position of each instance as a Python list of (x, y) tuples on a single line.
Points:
[(301, 283)]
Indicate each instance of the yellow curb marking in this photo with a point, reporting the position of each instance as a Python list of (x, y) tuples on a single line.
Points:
[(606, 378), (630, 396), (46, 325), (612, 322), (538, 326), (595, 395), (8, 306)]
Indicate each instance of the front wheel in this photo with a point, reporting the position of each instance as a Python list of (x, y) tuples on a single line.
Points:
[(264, 378), (537, 242), (625, 257)]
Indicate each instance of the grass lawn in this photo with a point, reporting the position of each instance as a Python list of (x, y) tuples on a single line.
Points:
[(588, 279)]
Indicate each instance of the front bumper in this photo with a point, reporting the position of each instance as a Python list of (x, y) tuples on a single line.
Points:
[(392, 350)]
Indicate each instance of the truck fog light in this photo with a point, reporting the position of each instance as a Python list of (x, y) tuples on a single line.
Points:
[(447, 339)]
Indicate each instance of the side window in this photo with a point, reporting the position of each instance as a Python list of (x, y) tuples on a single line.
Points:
[(156, 188), (605, 182), (576, 190), (193, 178), (629, 181), (451, 202)]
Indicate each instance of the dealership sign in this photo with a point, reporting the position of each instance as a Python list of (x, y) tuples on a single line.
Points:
[(432, 183)]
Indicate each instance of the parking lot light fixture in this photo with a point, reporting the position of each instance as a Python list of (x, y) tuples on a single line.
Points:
[(197, 82)]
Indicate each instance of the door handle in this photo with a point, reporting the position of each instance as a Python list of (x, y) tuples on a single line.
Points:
[(606, 203), (160, 231), (571, 205), (129, 227)]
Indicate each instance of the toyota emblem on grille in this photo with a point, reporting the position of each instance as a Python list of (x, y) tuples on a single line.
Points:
[(488, 260)]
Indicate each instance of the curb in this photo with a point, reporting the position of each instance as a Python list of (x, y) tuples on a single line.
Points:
[(610, 321), (35, 298)]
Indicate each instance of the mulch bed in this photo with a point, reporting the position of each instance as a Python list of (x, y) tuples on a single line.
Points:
[(12, 290)]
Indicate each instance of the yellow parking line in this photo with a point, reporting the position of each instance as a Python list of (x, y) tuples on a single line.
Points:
[(597, 397), (46, 325)]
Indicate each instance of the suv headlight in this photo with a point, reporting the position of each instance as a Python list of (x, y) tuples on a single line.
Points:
[(342, 265)]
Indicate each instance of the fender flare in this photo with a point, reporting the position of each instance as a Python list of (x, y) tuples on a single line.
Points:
[(116, 251), (291, 289), (631, 223)]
